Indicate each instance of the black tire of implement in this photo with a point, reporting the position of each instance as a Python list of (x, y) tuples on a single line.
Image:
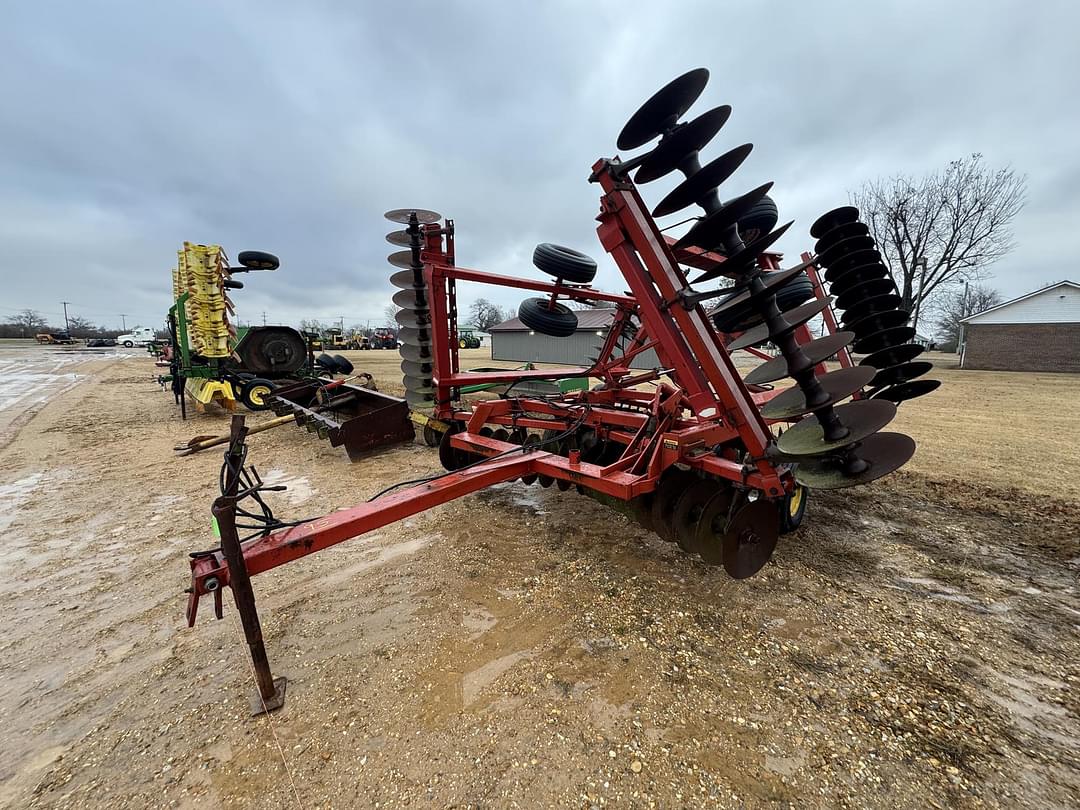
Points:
[(759, 220), (258, 260), (797, 291), (258, 384), (342, 364), (557, 322), (565, 263), (790, 522)]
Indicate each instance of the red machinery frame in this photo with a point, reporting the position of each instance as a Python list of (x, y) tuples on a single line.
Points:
[(701, 416)]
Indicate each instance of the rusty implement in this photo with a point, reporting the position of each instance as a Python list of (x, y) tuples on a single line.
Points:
[(350, 416)]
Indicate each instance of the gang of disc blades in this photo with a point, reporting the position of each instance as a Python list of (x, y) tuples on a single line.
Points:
[(850, 260), (908, 390), (415, 353), (890, 302), (905, 372), (402, 215), (893, 355), (742, 294), (750, 538), (735, 263), (689, 507), (406, 299), (672, 485), (709, 535), (839, 385), (857, 276), (795, 318), (817, 351), (701, 183), (852, 295), (884, 452), (406, 280), (680, 143), (842, 248), (884, 339), (666, 106), (413, 368), (412, 318), (839, 233), (861, 418), (399, 238), (402, 258), (831, 219), (879, 321), (709, 232)]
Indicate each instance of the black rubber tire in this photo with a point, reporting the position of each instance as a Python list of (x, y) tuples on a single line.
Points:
[(129, 344), (325, 363), (738, 319), (559, 321), (253, 393), (565, 263), (342, 364), (759, 220), (258, 260), (793, 508)]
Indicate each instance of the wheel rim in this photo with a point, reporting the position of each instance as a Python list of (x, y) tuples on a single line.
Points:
[(795, 501), (258, 394)]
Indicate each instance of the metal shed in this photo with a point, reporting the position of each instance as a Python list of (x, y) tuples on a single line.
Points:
[(512, 340)]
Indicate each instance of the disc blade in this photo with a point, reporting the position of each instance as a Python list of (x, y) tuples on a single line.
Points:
[(862, 291), (870, 306), (848, 261), (415, 336), (831, 219), (400, 238), (893, 355), (689, 507), (902, 373), (816, 351), (908, 390), (418, 388), (402, 258), (416, 384), (414, 368), (795, 318), (839, 233), (862, 418), (742, 294), (680, 143), (694, 187), (666, 106), (403, 215), (738, 262), (406, 299), (884, 339), (406, 280), (751, 538), (708, 233), (884, 452), (412, 319), (840, 283), (415, 353), (419, 400), (844, 247), (673, 484), (878, 321), (838, 385), (709, 536)]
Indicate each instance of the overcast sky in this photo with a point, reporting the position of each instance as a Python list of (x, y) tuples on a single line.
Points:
[(129, 127)]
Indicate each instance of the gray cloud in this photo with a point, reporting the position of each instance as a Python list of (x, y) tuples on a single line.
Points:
[(291, 127)]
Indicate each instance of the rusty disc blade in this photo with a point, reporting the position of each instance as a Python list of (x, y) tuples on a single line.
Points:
[(893, 355), (680, 143), (890, 302), (884, 452), (750, 538), (708, 233), (688, 510), (403, 216), (843, 248), (738, 262), (877, 321), (908, 390), (816, 352), (701, 183), (403, 258), (900, 374), (864, 290), (884, 339), (666, 106), (839, 233), (406, 280), (862, 418), (856, 276), (794, 318), (848, 261), (831, 219), (400, 238), (838, 385)]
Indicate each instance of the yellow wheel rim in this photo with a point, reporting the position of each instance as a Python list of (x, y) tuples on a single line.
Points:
[(258, 394), (795, 501)]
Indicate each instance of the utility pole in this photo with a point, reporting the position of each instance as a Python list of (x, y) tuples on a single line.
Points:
[(67, 328), (123, 322), (264, 318), (341, 322)]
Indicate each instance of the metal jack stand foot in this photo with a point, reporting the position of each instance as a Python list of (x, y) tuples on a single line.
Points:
[(271, 690)]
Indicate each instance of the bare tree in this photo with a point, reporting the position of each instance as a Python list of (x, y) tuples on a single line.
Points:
[(959, 304), (30, 321), (312, 325), (390, 312), (946, 227), (81, 327), (485, 314)]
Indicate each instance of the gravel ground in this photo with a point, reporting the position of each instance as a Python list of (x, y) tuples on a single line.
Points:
[(914, 645)]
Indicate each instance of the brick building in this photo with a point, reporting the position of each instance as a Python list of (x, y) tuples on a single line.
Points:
[(1035, 332)]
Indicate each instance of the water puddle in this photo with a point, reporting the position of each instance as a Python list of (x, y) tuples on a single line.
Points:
[(13, 495), (299, 489)]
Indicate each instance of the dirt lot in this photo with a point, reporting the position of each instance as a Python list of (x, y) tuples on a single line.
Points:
[(916, 644)]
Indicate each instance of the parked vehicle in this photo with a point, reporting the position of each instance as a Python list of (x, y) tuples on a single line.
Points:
[(97, 343), (140, 336), (55, 338), (467, 340)]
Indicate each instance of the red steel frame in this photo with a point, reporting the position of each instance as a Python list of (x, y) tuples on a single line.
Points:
[(702, 415)]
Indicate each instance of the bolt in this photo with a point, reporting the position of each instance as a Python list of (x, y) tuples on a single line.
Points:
[(211, 584)]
